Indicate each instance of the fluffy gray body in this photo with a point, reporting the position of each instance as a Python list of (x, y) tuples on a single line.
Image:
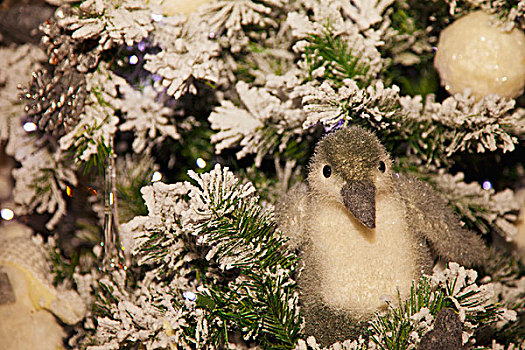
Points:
[(364, 234)]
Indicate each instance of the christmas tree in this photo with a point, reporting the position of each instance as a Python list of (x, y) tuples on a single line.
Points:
[(147, 144)]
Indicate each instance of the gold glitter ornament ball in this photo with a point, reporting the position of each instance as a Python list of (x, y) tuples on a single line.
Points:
[(474, 53)]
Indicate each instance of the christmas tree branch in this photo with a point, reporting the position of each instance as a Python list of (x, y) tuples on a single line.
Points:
[(331, 57), (259, 299), (243, 285)]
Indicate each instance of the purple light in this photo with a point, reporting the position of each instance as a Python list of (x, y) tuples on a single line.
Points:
[(333, 127), (141, 46)]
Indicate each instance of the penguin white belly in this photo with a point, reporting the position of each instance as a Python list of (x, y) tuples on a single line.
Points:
[(361, 268)]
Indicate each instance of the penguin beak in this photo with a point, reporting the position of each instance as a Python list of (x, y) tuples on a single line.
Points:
[(360, 200)]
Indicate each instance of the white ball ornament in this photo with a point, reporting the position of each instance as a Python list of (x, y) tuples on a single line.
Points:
[(175, 7), (474, 53)]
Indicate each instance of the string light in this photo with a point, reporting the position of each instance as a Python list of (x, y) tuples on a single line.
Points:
[(157, 176), (487, 185), (156, 17), (201, 163), (189, 296), (7, 214), (133, 59), (30, 127)]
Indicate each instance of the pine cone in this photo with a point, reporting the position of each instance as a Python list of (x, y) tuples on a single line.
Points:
[(63, 49), (55, 99)]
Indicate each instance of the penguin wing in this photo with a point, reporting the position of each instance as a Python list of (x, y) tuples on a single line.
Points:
[(430, 216), (291, 213)]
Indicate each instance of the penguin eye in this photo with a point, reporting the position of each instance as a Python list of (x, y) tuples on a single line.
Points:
[(382, 166), (327, 171)]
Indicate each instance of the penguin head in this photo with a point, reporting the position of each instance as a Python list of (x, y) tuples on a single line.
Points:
[(347, 166)]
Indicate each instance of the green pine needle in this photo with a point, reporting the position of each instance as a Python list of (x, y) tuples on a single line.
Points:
[(336, 56), (256, 301), (392, 330)]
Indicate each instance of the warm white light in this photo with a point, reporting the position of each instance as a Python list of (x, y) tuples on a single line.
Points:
[(487, 185), (156, 176), (30, 127), (156, 17), (189, 296), (133, 59), (7, 214), (201, 163)]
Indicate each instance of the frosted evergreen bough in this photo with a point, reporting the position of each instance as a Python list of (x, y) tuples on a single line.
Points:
[(375, 106), (215, 218), (143, 315), (332, 47), (113, 22), (260, 301), (146, 117), (98, 124), (40, 185), (510, 12), (159, 239), (403, 325), (262, 125), (216, 193), (360, 344), (188, 60), (41, 179), (365, 13), (462, 124), (188, 55), (229, 17), (482, 208)]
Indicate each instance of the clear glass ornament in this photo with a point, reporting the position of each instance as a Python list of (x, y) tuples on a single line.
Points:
[(113, 255)]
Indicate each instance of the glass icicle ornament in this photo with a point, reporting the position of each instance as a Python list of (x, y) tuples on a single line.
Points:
[(113, 255)]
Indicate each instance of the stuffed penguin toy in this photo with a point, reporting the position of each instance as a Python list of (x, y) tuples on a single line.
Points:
[(364, 233)]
